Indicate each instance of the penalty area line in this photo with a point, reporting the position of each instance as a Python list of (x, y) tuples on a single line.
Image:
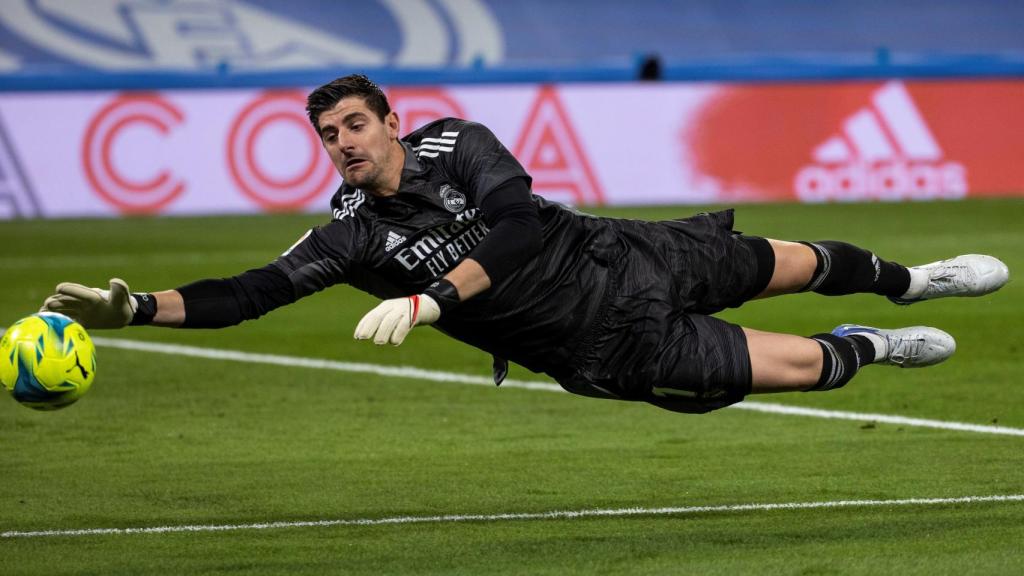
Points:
[(454, 377), (553, 515)]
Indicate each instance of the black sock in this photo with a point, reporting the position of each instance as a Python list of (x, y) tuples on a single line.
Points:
[(843, 356), (846, 269)]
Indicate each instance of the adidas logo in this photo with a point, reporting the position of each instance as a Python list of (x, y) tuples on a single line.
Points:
[(393, 241), (883, 151)]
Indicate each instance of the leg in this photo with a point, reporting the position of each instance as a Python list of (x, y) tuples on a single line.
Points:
[(782, 362), (836, 268), (832, 268), (794, 267), (785, 363), (710, 363), (705, 363)]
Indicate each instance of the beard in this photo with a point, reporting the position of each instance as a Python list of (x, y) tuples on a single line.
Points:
[(365, 177)]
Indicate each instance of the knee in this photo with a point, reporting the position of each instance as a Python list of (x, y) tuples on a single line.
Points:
[(795, 264)]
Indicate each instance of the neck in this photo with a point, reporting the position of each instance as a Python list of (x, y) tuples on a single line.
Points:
[(392, 173)]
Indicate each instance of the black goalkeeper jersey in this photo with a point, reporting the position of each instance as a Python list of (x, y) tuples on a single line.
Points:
[(397, 246)]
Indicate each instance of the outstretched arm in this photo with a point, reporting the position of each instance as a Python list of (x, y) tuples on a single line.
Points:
[(313, 263), (170, 309), (212, 303)]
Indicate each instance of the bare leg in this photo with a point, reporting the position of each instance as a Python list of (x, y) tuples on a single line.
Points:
[(794, 267), (782, 362)]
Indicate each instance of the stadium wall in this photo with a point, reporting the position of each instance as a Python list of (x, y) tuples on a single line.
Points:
[(528, 40), (195, 106), (70, 154)]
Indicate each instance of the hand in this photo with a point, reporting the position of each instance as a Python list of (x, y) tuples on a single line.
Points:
[(392, 319), (94, 307)]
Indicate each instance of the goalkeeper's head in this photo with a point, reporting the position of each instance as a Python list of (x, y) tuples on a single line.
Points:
[(359, 131), (327, 97)]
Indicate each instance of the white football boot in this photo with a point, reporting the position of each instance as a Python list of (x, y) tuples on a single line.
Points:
[(967, 275), (911, 347)]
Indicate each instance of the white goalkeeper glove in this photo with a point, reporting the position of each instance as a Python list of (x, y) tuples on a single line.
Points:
[(392, 319), (94, 307)]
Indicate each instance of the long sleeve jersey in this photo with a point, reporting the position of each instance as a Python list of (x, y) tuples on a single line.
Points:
[(536, 314)]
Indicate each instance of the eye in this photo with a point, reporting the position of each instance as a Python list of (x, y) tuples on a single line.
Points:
[(357, 127)]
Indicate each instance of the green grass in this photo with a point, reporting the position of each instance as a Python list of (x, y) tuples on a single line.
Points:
[(166, 440)]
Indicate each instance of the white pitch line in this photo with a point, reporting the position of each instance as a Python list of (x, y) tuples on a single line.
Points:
[(880, 418), (318, 363), (454, 377), (553, 515)]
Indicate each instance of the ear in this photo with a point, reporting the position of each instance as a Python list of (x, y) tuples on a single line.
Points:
[(391, 121)]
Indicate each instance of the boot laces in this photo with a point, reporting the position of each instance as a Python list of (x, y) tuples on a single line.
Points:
[(950, 279), (902, 349)]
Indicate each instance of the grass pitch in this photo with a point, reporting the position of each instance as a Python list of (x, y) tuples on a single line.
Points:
[(165, 440)]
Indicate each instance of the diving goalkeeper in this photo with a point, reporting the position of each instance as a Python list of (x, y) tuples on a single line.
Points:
[(442, 226)]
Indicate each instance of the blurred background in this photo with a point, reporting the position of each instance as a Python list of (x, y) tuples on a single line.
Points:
[(897, 126), (113, 107)]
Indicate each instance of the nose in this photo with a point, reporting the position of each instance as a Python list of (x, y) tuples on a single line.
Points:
[(343, 143)]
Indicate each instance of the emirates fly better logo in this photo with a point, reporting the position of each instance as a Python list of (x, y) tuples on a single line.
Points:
[(883, 151)]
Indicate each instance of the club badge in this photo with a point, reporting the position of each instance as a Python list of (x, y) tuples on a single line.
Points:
[(454, 201)]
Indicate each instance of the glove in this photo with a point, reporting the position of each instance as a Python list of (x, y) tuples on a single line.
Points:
[(392, 319), (94, 307)]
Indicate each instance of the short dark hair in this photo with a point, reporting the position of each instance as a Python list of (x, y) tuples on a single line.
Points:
[(327, 96)]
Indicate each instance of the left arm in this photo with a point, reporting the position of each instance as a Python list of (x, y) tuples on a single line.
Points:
[(514, 238), (469, 279), (501, 188)]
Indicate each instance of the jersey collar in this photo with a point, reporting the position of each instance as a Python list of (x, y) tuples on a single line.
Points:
[(410, 170), (412, 163)]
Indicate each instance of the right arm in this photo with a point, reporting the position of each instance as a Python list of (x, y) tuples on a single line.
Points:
[(309, 266), (170, 309)]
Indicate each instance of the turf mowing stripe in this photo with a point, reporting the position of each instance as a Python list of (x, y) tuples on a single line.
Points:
[(439, 376), (553, 515)]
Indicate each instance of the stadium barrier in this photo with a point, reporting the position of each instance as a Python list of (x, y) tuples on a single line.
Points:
[(102, 153), (133, 44)]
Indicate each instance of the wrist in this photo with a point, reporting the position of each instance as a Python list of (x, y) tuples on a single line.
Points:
[(143, 307), (444, 294)]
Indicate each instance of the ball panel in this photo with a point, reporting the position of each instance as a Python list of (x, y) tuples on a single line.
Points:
[(27, 387), (56, 324)]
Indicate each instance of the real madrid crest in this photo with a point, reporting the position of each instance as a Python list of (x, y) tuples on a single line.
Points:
[(454, 201)]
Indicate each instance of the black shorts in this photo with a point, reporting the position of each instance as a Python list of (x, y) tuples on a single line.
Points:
[(654, 339)]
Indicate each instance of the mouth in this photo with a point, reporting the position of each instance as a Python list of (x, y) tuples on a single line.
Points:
[(354, 163)]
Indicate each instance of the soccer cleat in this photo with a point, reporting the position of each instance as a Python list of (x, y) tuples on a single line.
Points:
[(912, 347), (967, 275)]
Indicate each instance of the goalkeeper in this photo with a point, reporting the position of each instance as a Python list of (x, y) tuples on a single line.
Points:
[(442, 226)]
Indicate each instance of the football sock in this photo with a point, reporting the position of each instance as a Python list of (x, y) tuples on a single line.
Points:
[(846, 269), (918, 284), (843, 356)]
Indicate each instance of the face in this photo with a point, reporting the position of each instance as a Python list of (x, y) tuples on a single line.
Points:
[(363, 148)]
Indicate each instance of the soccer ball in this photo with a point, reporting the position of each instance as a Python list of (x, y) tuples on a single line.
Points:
[(47, 361)]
